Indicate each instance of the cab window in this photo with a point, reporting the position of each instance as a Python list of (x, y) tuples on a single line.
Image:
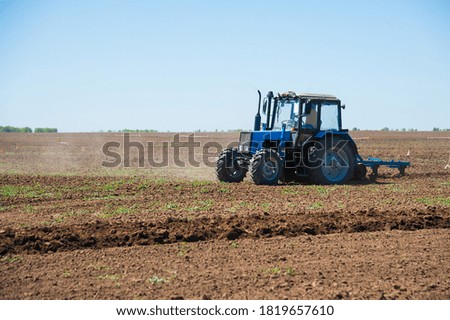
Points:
[(310, 121), (329, 116)]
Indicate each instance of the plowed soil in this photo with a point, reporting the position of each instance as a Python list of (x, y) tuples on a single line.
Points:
[(72, 229)]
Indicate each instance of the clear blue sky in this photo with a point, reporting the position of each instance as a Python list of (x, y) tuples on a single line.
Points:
[(188, 65)]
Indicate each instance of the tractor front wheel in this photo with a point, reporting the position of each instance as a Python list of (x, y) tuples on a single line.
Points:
[(229, 168), (266, 167)]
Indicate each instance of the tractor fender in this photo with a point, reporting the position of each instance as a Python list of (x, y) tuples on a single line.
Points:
[(341, 135)]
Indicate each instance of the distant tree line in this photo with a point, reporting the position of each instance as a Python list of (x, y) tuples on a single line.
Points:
[(217, 130), (411, 129), (403, 129), (152, 130), (15, 129), (45, 130), (131, 131), (26, 129), (138, 130)]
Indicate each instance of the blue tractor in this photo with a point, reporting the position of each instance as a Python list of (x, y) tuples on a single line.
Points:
[(300, 139)]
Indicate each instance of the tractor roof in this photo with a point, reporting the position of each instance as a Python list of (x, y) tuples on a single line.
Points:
[(291, 94)]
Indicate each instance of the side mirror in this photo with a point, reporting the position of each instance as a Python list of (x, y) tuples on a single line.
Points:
[(308, 108), (265, 106), (343, 106)]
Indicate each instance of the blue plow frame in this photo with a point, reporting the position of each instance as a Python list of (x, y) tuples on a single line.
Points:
[(375, 163)]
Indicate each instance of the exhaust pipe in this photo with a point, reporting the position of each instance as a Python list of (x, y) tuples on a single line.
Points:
[(258, 115), (269, 107)]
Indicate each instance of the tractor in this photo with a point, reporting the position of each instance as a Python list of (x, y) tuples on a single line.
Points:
[(299, 140)]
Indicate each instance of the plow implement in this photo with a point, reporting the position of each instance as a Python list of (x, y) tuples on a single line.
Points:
[(375, 163)]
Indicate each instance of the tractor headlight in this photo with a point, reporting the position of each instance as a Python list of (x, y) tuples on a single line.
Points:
[(243, 148), (244, 142)]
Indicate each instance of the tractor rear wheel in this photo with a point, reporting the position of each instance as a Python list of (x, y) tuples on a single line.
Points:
[(333, 163), (266, 167), (228, 168)]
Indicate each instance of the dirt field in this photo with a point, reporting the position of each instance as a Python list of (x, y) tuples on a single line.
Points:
[(72, 229)]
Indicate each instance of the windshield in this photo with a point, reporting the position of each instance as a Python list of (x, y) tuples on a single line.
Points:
[(287, 115)]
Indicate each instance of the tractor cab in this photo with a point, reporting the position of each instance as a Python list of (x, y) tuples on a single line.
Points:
[(304, 111), (289, 119), (296, 137)]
